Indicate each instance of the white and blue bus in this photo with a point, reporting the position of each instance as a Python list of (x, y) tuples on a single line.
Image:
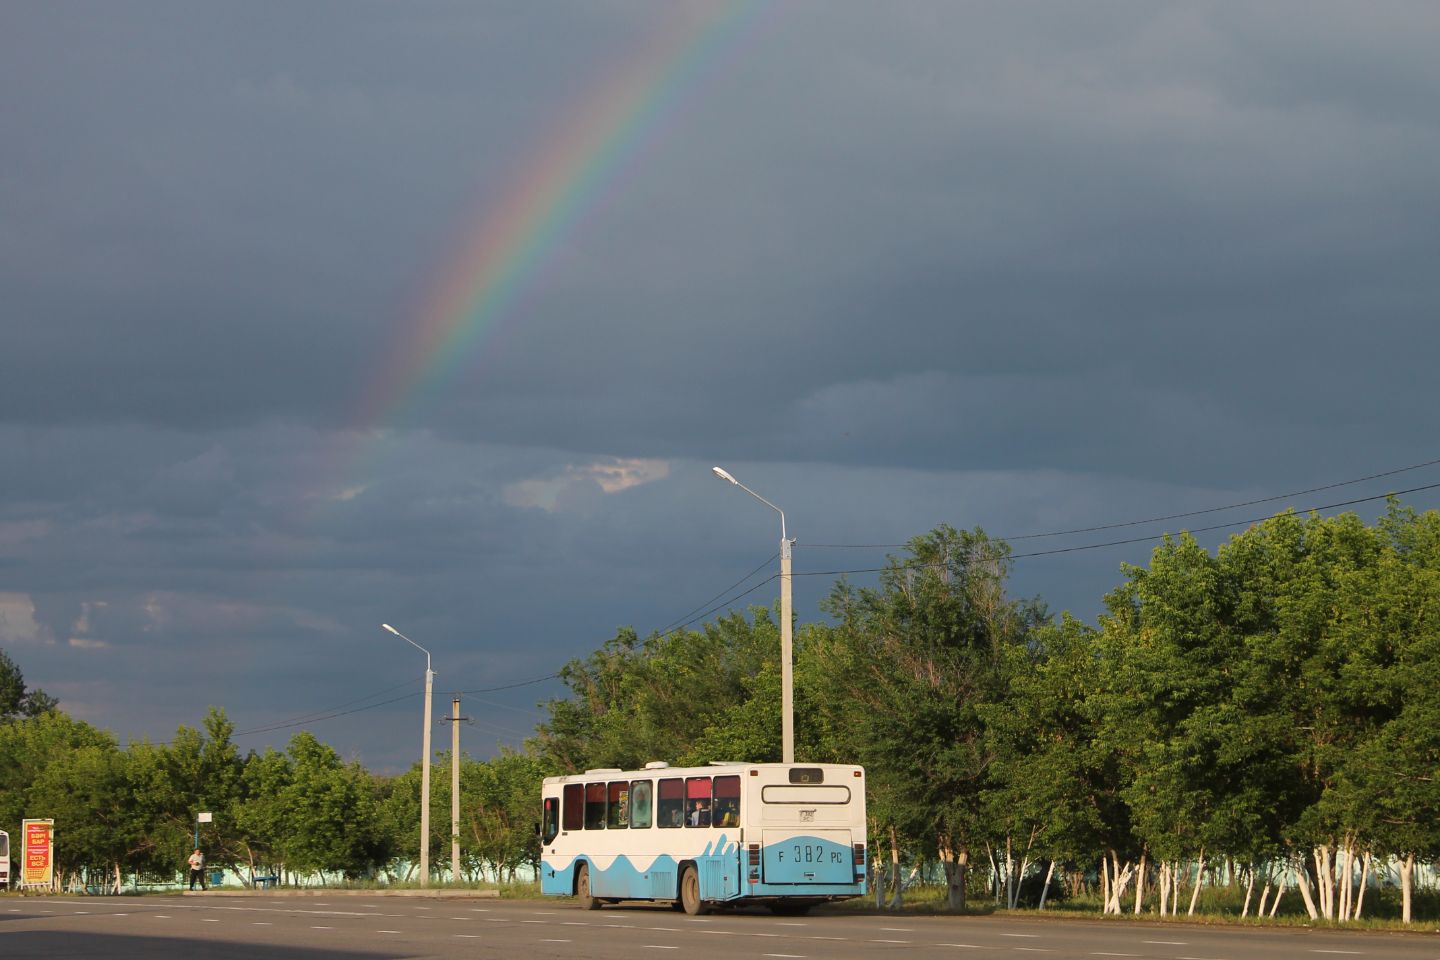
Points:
[(786, 835), (4, 860)]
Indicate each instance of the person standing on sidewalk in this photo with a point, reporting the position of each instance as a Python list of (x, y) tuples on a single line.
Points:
[(197, 869)]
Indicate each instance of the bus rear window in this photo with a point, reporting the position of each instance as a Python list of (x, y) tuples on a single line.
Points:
[(573, 815), (672, 803), (779, 793)]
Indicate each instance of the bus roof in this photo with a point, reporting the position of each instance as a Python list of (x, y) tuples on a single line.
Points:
[(713, 768)]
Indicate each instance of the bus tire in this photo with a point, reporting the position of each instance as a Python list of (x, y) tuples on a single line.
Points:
[(582, 888), (690, 893)]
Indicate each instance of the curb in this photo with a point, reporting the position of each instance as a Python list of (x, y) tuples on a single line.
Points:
[(312, 892)]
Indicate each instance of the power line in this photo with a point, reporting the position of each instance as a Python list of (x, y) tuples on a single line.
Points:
[(1161, 536), (1173, 516), (681, 620)]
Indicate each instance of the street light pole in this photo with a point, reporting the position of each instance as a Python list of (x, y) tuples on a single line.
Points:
[(424, 763), (787, 683)]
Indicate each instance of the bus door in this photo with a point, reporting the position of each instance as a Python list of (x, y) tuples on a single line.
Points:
[(4, 859)]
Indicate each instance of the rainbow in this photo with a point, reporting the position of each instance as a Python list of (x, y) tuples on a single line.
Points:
[(509, 247)]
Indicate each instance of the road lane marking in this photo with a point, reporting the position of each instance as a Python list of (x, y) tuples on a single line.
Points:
[(208, 920), (967, 946), (1033, 949), (387, 931), (898, 929), (657, 946), (1101, 953), (1032, 936), (1169, 943), (261, 923), (1353, 953), (468, 936), (322, 928), (889, 941), (785, 956), (548, 940)]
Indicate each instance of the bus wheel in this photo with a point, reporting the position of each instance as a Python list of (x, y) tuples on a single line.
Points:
[(582, 889), (690, 893)]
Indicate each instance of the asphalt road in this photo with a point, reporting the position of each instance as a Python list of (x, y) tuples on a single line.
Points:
[(280, 928)]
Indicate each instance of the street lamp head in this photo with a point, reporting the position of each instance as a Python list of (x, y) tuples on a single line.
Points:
[(723, 475), (391, 629)]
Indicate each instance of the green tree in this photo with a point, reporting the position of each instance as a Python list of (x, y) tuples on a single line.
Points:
[(926, 653), (15, 699)]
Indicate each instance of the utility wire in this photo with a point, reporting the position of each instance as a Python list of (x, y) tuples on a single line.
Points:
[(682, 621), (1161, 536), (1173, 516)]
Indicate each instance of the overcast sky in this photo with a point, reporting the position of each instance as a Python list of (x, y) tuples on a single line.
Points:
[(1026, 266)]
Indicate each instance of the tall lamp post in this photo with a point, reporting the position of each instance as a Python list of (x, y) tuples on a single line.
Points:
[(424, 763), (787, 702)]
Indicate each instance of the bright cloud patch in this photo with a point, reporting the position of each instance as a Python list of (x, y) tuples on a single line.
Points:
[(576, 483), (17, 620)]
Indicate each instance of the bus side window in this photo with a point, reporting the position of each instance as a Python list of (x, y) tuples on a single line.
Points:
[(640, 807), (672, 803), (727, 802), (618, 815), (573, 809), (552, 820), (697, 802), (594, 806)]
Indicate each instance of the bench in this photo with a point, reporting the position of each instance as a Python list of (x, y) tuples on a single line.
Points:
[(265, 883)]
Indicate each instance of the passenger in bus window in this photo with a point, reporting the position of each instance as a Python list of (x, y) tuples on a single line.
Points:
[(699, 817), (727, 812)]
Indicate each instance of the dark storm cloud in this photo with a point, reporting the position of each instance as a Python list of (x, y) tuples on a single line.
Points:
[(1027, 266)]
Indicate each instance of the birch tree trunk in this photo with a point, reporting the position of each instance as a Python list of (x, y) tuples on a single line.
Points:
[(1279, 892), (1364, 879), (1407, 880), (1164, 884), (898, 898), (1045, 890), (1249, 891), (1302, 880), (1199, 879), (1140, 882)]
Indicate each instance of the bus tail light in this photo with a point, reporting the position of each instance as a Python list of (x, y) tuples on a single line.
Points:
[(859, 862), (752, 858)]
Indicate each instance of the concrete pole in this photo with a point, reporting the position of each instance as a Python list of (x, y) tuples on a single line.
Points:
[(455, 790), (425, 784), (787, 680)]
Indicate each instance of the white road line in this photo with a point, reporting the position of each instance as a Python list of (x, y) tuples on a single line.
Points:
[(657, 946), (790, 924), (898, 929), (1353, 953), (1197, 958), (162, 916), (261, 923), (1101, 953), (888, 941), (468, 936), (479, 909), (1032, 949), (786, 956), (1169, 943), (574, 923), (322, 928), (208, 920), (548, 940), (467, 918), (497, 919), (967, 946), (387, 931), (1032, 936), (79, 913)]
